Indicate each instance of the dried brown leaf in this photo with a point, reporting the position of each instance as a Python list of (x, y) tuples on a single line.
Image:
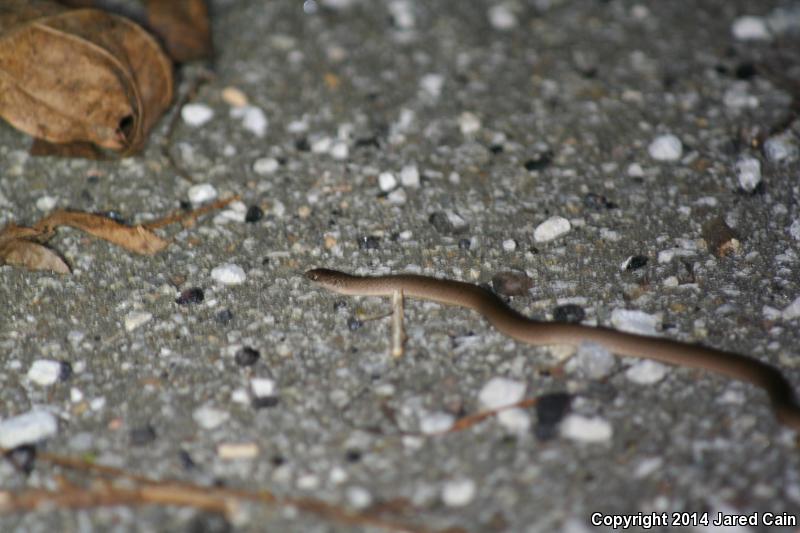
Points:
[(183, 26), (133, 238), (80, 75), (31, 255)]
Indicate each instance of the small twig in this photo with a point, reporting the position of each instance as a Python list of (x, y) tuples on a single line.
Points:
[(186, 217)]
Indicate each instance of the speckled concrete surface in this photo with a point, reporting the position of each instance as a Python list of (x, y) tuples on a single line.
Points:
[(511, 113)]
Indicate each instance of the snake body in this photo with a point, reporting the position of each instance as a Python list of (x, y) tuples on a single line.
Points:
[(521, 328)]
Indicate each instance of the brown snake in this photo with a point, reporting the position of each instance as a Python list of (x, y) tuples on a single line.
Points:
[(508, 321)]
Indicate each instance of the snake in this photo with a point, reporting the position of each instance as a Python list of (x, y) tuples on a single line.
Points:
[(512, 323)]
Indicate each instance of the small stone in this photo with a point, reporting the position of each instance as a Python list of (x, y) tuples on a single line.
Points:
[(202, 193), (209, 417), (634, 262), (262, 387), (194, 295), (263, 166), (592, 360), (501, 17), (501, 392), (458, 492), (254, 214), (431, 84), (75, 395), (749, 28), (634, 321), (597, 201), (584, 429), (224, 316), (646, 372), (237, 451), (265, 402), (434, 423), (253, 119), (246, 356), (409, 176), (143, 435), (551, 409), (721, 239), (748, 172), (781, 148), (552, 228), (339, 150), (46, 203), (569, 313), (387, 181), (229, 274), (196, 114), (515, 420), (539, 161), (512, 283), (369, 242), (27, 428), (666, 148), (22, 457), (358, 497), (468, 123), (234, 97), (397, 197), (136, 319), (791, 311), (448, 222), (45, 372), (509, 245)]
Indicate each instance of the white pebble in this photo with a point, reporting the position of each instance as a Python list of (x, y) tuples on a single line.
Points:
[(794, 229), (253, 119), (358, 497), (665, 148), (75, 395), (749, 28), (264, 166), (584, 429), (458, 492), (431, 84), (135, 319), (647, 466), (469, 123), (196, 114), (229, 274), (635, 170), (27, 428), (515, 420), (500, 392), (592, 361), (781, 148), (340, 150), (748, 171), (792, 310), (501, 17), (208, 417), (321, 145), (44, 372), (646, 372), (387, 181), (397, 197), (262, 387), (98, 403), (433, 423), (402, 14), (634, 321), (509, 245), (201, 193), (46, 203), (409, 176), (552, 228)]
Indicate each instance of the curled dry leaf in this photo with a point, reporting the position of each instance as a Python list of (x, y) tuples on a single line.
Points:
[(80, 75), (18, 249), (183, 27)]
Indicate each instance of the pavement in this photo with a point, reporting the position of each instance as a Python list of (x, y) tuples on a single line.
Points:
[(630, 164)]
